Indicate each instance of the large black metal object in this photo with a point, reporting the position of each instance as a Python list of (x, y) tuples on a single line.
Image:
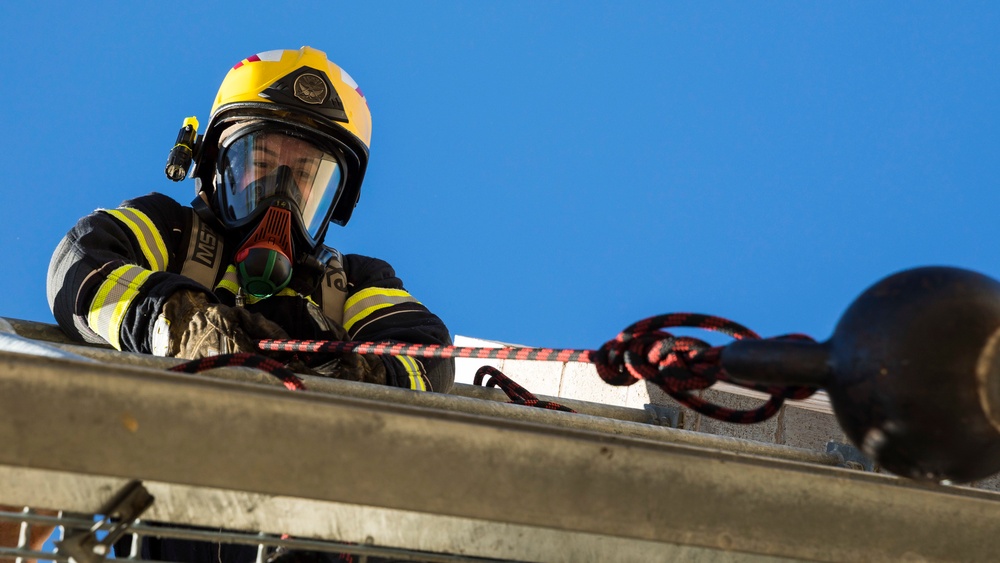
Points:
[(912, 369)]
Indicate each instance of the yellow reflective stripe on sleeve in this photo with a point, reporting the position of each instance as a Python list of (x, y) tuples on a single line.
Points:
[(369, 300), (110, 304), (412, 367), (145, 232)]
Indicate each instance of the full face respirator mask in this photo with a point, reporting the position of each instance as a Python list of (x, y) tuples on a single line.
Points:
[(280, 187)]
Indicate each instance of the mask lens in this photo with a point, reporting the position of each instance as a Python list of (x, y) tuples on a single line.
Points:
[(260, 166)]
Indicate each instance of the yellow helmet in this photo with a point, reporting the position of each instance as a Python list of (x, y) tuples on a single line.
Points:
[(300, 93)]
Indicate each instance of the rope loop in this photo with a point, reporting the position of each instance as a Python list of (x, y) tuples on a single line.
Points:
[(273, 367), (644, 351), (518, 395), (680, 365)]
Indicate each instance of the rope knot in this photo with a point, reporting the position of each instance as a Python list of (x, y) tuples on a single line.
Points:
[(656, 356), (680, 365)]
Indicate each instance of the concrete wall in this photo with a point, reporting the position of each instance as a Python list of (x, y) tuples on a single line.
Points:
[(809, 424)]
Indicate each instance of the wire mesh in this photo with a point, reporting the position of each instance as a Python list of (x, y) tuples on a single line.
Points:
[(268, 545)]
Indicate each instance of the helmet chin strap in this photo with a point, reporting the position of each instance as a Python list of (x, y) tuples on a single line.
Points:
[(263, 262)]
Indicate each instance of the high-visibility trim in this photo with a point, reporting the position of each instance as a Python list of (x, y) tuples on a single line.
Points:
[(230, 282), (146, 234), (369, 300), (307, 297), (414, 371), (111, 303), (285, 292)]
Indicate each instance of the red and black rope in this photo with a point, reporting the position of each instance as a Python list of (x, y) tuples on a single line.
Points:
[(274, 367), (428, 350), (679, 365), (518, 395)]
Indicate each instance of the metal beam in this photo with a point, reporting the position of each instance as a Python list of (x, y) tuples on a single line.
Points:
[(601, 418), (363, 525), (350, 469)]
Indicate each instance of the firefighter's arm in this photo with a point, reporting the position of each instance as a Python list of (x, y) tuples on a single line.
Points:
[(379, 309), (109, 276)]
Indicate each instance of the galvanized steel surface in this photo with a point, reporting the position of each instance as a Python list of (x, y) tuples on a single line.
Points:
[(499, 478), (490, 402)]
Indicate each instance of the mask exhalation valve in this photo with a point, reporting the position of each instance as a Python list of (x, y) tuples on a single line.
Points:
[(263, 262)]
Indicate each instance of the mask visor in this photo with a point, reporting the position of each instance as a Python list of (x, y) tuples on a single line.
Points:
[(262, 165)]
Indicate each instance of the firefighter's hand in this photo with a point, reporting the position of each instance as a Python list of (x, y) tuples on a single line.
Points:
[(343, 365), (190, 327), (353, 367)]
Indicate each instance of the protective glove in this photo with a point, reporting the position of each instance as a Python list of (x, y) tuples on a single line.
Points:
[(349, 366), (190, 327), (353, 367)]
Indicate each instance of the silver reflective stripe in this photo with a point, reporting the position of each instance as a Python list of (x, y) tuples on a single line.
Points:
[(112, 301), (334, 288), (204, 253), (371, 299)]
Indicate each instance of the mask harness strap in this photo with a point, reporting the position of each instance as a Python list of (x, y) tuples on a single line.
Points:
[(204, 253)]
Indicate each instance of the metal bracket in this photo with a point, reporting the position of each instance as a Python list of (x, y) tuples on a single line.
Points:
[(662, 415), (82, 546), (851, 457)]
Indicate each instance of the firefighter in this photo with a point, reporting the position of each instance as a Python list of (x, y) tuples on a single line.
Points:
[(283, 156)]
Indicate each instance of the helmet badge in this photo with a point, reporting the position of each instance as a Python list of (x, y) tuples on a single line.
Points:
[(307, 88), (310, 88)]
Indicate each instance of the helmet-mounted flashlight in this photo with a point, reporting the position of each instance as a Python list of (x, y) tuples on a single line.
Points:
[(179, 160)]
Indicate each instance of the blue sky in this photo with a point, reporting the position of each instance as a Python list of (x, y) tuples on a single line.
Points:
[(547, 173)]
